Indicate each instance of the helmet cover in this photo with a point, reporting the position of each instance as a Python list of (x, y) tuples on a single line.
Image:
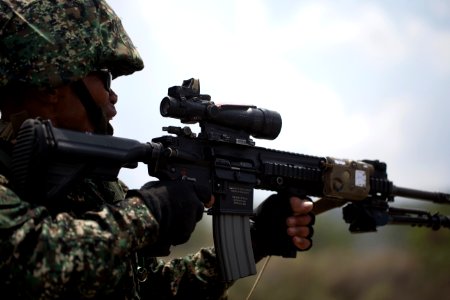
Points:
[(48, 43)]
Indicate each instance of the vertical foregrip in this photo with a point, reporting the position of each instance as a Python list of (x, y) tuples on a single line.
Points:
[(233, 246)]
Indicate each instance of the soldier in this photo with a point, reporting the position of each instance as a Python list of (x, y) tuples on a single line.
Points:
[(58, 58)]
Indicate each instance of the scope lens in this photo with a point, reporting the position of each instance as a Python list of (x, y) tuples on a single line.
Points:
[(164, 107)]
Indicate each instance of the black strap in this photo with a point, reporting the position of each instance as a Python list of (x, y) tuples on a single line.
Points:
[(94, 112)]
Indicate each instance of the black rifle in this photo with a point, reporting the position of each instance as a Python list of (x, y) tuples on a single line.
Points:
[(223, 157)]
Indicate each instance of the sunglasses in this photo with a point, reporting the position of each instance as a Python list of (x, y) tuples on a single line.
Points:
[(106, 77)]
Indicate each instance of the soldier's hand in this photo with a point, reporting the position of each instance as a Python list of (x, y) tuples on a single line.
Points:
[(281, 226), (299, 225), (177, 206)]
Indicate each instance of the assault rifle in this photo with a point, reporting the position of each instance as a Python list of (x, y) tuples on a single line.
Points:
[(224, 157)]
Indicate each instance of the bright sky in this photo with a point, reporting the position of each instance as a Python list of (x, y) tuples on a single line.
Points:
[(351, 79)]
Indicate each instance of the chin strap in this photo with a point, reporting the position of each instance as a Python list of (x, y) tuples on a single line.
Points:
[(94, 112)]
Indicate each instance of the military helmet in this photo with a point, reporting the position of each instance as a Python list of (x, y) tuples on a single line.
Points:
[(47, 43)]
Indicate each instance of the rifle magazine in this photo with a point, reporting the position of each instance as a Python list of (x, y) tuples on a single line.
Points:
[(233, 246)]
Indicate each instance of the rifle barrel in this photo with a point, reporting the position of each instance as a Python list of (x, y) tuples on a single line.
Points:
[(420, 194)]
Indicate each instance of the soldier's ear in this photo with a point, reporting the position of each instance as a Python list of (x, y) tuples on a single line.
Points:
[(53, 96)]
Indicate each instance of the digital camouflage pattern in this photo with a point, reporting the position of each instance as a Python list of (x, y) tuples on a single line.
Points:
[(90, 245), (47, 43)]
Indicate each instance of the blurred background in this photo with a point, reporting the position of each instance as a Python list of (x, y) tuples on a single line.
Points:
[(351, 79)]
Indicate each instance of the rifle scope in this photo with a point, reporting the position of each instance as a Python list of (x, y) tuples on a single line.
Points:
[(257, 122)]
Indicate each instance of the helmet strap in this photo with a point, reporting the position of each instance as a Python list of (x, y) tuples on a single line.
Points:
[(93, 111)]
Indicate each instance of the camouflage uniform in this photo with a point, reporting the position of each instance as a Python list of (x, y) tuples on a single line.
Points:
[(91, 243)]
